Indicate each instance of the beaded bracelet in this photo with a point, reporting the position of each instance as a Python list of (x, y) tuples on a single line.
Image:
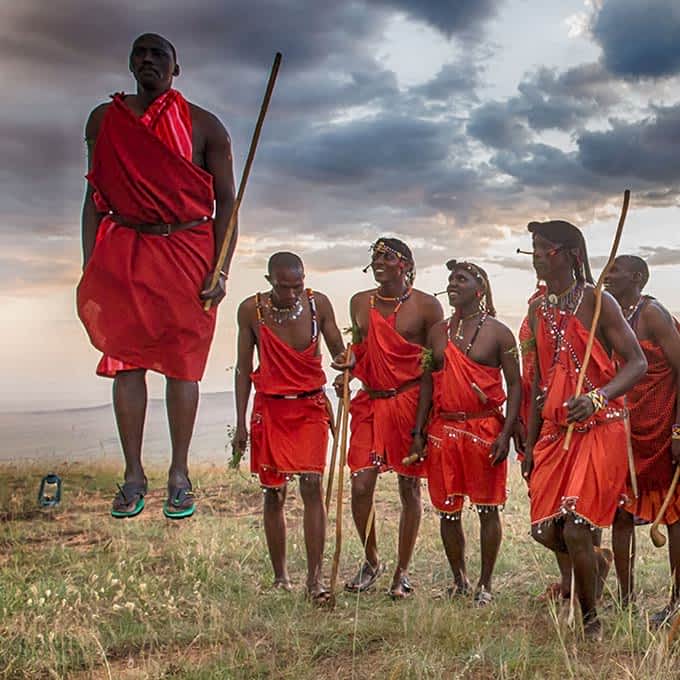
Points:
[(598, 399), (675, 431)]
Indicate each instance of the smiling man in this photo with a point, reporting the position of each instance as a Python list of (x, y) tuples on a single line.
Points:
[(390, 324), (468, 438), (160, 193)]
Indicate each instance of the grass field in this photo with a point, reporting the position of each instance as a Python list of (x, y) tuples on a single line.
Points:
[(86, 596)]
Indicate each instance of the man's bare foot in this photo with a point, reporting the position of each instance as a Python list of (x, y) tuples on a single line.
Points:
[(283, 584), (554, 593), (604, 557), (401, 586)]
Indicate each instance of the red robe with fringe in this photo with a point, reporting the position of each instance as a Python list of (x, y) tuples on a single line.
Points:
[(381, 428), (458, 462), (652, 404), (287, 436), (589, 479), (138, 296)]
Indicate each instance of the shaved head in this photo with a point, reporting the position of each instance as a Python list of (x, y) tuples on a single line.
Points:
[(635, 265), (159, 38), (284, 261)]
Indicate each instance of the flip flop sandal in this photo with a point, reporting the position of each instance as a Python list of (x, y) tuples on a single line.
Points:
[(128, 493), (180, 503), (320, 598), (482, 598), (455, 591), (365, 578), (665, 616), (406, 589)]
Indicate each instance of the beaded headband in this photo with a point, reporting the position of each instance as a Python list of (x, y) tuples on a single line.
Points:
[(382, 247), (468, 267)]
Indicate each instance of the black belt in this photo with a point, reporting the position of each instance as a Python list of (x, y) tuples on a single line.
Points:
[(392, 392), (157, 229), (300, 395)]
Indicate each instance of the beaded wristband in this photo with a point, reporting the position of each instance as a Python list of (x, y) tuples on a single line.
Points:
[(598, 398), (675, 431)]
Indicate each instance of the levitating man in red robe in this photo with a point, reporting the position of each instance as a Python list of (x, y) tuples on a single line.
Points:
[(468, 437), (159, 196), (655, 434), (289, 422)]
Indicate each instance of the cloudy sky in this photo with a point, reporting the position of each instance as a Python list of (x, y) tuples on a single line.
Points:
[(449, 124)]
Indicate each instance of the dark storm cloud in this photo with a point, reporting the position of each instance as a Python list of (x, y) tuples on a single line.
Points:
[(639, 39), (498, 126), (644, 150), (547, 100), (451, 18)]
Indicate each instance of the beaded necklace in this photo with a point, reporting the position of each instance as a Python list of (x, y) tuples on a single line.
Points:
[(280, 315), (399, 299), (557, 318)]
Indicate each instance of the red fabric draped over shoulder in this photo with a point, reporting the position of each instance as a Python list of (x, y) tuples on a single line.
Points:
[(588, 479), (288, 436), (458, 450), (138, 296), (652, 404), (381, 428)]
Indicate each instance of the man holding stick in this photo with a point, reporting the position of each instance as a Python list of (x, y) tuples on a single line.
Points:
[(655, 434), (574, 492), (390, 324), (468, 439), (159, 196), (290, 418)]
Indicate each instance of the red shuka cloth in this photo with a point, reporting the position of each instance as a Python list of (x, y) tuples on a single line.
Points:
[(458, 451), (652, 405), (381, 428), (138, 296), (287, 436), (588, 479)]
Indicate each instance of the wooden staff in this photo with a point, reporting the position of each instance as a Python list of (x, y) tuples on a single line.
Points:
[(231, 225), (336, 434), (598, 308), (631, 459), (658, 539), (341, 479)]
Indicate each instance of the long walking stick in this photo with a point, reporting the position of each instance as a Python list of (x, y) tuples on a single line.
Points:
[(658, 539), (231, 225), (598, 308), (631, 459), (341, 481), (336, 439)]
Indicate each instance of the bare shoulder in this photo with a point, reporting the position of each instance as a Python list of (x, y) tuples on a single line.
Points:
[(362, 296), (208, 123), (246, 310), (424, 298), (501, 331), (323, 304), (94, 121), (655, 314)]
